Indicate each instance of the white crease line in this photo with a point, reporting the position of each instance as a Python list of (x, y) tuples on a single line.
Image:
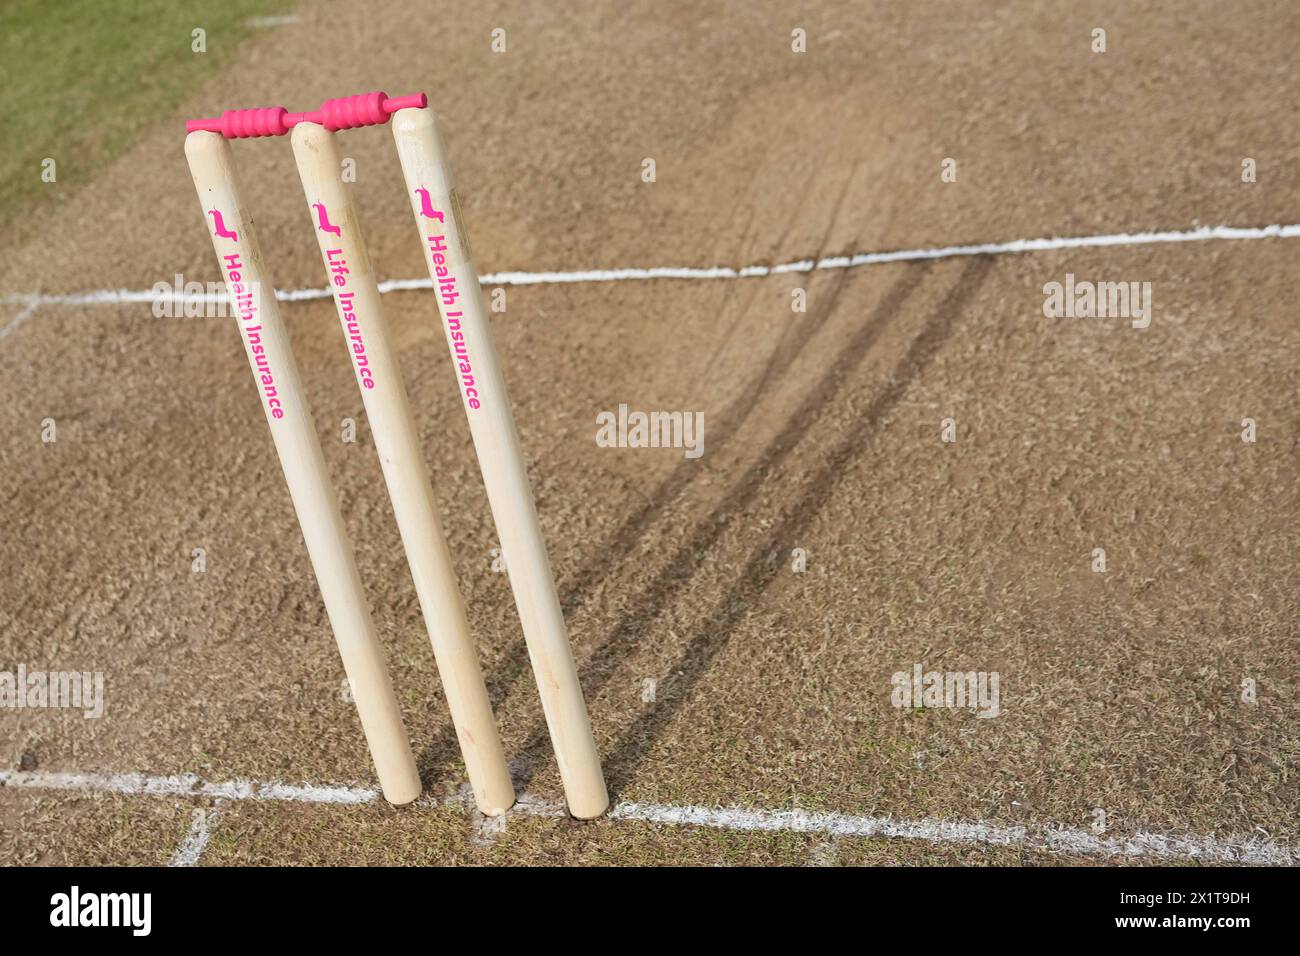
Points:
[(262, 23), (32, 305), (1231, 849), (1202, 234), (196, 840), (1209, 849), (186, 785), (305, 793)]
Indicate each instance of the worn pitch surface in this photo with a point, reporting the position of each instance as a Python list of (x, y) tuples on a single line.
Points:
[(1121, 691)]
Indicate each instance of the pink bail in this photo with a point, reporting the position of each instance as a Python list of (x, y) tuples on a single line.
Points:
[(346, 112), (240, 124), (416, 101), (363, 109)]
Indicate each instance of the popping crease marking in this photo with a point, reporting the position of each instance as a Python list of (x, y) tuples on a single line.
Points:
[(1059, 839), (196, 840), (1015, 246), (32, 304)]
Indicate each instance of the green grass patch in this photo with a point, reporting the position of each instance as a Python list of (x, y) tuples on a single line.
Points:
[(80, 78)]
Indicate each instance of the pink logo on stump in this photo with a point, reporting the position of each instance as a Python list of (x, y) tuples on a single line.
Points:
[(323, 219), (426, 206), (219, 225)]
